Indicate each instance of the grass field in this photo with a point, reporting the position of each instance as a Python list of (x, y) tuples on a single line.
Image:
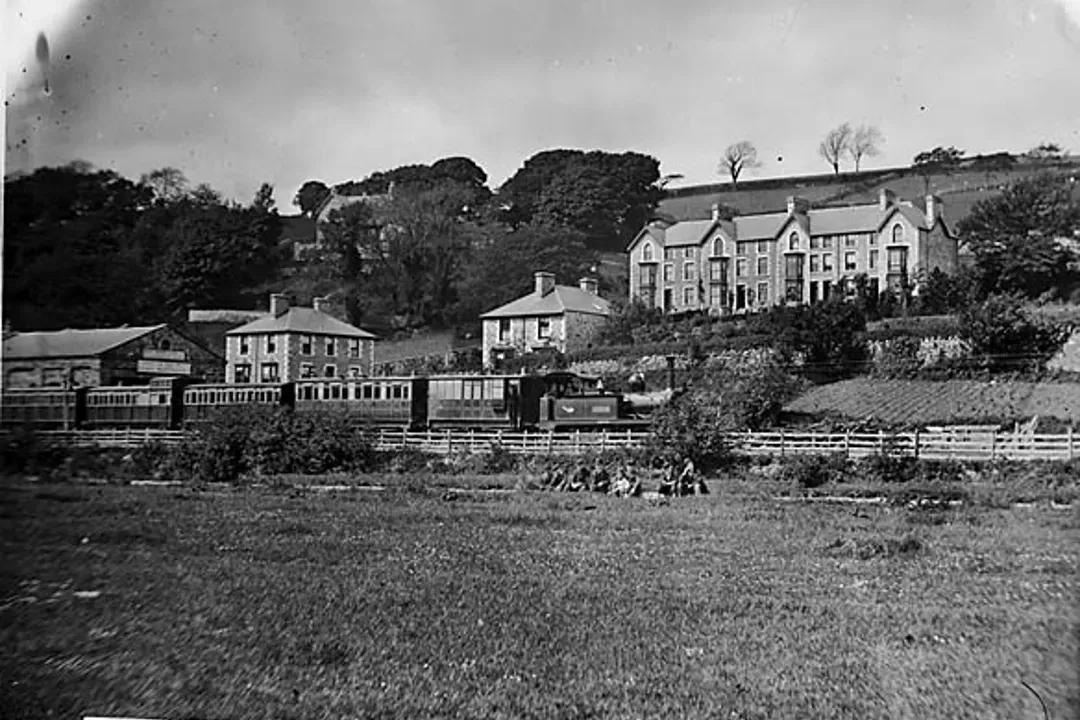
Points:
[(262, 603)]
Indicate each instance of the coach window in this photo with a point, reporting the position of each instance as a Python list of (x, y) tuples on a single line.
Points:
[(243, 373), (269, 373), (335, 391)]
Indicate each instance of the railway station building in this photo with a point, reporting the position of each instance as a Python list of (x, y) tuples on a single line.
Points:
[(293, 343), (106, 356), (801, 255), (551, 317)]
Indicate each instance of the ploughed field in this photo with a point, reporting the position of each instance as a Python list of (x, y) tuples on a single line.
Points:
[(949, 401), (174, 603)]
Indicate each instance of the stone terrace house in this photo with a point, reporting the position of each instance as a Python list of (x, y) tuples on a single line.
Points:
[(551, 317), (105, 356), (291, 343), (798, 256)]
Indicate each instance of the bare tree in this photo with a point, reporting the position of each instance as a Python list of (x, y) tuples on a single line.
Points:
[(865, 142), (738, 157), (835, 144)]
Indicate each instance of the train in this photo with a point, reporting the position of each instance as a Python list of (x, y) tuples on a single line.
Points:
[(554, 401)]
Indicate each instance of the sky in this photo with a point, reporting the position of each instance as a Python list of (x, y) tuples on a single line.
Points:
[(240, 92)]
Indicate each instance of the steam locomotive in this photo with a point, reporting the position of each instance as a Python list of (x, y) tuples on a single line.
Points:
[(556, 401)]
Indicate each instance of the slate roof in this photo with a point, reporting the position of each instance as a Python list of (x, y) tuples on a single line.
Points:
[(560, 300), (690, 232), (72, 343), (307, 321)]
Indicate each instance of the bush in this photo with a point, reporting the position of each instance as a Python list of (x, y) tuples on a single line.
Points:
[(886, 468), (1009, 337), (811, 471), (24, 452)]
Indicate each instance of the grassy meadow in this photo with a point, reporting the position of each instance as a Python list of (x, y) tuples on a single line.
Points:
[(428, 603)]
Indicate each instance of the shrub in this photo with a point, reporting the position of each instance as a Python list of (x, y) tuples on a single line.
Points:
[(811, 471), (23, 451), (886, 468), (1008, 337)]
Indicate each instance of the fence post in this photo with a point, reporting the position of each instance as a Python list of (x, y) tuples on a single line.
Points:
[(449, 442), (781, 442), (847, 443), (577, 442), (1071, 455), (993, 446), (551, 441), (881, 442), (916, 443), (603, 441)]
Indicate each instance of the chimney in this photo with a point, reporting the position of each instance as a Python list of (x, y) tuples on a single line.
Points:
[(796, 204), (886, 198), (933, 210), (715, 211), (588, 285), (279, 304), (545, 283), (321, 304)]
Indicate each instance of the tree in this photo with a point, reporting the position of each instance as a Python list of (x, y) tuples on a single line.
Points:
[(1014, 236), (738, 157), (1046, 152), (997, 162), (167, 184), (336, 264), (1008, 336), (310, 195), (866, 141), (939, 161), (264, 198), (835, 145), (607, 196)]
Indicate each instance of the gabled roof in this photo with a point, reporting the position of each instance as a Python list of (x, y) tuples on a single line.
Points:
[(72, 343), (759, 227), (307, 321), (690, 232), (915, 217), (560, 300)]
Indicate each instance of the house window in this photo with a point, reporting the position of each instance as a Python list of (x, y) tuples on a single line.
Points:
[(307, 345), (849, 261), (331, 347), (872, 264), (330, 371), (271, 344), (268, 373), (763, 247), (740, 248), (872, 237), (688, 251), (897, 233), (669, 253), (763, 266), (813, 291), (688, 271), (543, 328), (763, 293), (688, 296), (826, 262), (669, 273), (740, 267), (718, 270), (717, 247), (793, 278), (815, 242), (354, 347), (504, 330), (815, 263), (897, 260), (243, 373), (716, 295), (307, 370), (793, 241), (245, 345), (826, 290), (355, 371), (647, 252), (851, 241), (740, 297)]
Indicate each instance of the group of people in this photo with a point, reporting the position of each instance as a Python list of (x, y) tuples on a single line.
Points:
[(622, 479)]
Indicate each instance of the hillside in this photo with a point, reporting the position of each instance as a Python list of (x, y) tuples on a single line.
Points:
[(959, 190)]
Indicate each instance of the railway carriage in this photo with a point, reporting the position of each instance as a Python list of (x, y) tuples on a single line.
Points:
[(157, 405), (484, 401), (45, 408), (400, 401), (204, 402)]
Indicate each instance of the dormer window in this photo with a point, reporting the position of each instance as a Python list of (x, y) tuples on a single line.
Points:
[(793, 241), (717, 247), (897, 233), (647, 252)]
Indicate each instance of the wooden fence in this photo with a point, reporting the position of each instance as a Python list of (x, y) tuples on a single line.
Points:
[(939, 445)]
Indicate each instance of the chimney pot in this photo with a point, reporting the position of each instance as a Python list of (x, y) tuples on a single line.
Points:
[(933, 210), (796, 204), (715, 211), (279, 304), (885, 199), (588, 285), (545, 283), (320, 304)]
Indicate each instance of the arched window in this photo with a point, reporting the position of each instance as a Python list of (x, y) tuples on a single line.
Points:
[(646, 252), (165, 344), (717, 247), (897, 233), (793, 241)]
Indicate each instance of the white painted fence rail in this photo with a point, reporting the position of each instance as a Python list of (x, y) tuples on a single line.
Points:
[(938, 445)]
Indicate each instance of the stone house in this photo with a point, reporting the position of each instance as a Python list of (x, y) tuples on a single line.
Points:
[(551, 317)]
